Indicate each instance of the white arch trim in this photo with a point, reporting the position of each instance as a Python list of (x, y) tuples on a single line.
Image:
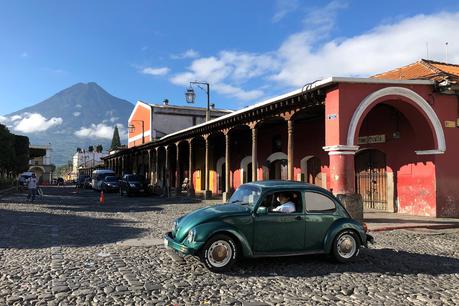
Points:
[(220, 173), (276, 156), (407, 93), (244, 163)]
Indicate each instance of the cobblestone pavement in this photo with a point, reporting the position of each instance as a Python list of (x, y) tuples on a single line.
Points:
[(68, 249)]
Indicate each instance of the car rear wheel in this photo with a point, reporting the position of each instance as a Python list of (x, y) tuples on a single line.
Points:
[(346, 246), (219, 253)]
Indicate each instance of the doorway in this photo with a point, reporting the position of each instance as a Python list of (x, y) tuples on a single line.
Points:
[(371, 179)]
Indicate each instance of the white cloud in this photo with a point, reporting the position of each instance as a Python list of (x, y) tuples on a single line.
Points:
[(190, 53), (384, 47), (76, 114), (227, 71), (283, 8), (78, 106), (4, 120), (310, 54), (15, 117), (100, 130), (155, 71), (35, 122), (114, 119)]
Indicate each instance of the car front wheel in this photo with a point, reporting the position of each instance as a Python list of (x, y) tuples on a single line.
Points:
[(346, 246), (219, 253)]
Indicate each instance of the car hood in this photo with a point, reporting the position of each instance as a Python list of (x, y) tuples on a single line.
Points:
[(206, 214)]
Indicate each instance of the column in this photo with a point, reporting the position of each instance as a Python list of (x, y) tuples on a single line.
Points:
[(290, 149), (227, 193), (149, 167), (166, 172), (190, 168), (156, 165), (178, 182), (207, 192), (254, 154)]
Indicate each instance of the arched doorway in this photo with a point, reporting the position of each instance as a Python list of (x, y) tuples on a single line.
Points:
[(371, 178), (313, 173), (246, 169), (276, 166), (221, 169)]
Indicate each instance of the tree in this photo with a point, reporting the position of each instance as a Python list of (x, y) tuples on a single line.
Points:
[(22, 153), (78, 150), (7, 154), (116, 142), (99, 148)]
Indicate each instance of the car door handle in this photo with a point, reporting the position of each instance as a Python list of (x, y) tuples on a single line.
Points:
[(298, 218)]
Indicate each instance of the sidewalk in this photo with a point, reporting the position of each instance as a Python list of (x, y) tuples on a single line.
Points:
[(381, 221)]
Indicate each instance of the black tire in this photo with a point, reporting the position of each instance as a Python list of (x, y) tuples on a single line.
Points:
[(229, 257), (350, 249)]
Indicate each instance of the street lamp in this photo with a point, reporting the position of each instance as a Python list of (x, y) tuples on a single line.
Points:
[(131, 129), (190, 95)]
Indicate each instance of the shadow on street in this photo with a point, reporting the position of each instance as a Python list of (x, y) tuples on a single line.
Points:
[(382, 261)]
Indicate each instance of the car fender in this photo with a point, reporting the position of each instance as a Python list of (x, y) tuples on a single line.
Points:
[(206, 230), (340, 225)]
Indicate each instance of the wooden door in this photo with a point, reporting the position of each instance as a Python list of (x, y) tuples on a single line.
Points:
[(371, 178)]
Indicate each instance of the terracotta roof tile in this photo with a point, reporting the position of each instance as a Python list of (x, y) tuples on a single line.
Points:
[(422, 69)]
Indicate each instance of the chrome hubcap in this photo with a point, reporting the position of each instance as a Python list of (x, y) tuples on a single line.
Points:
[(346, 246), (219, 253)]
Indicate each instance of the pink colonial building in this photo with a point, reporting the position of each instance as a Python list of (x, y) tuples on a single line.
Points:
[(392, 138)]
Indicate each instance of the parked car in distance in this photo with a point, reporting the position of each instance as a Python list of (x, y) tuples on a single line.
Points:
[(87, 183), (133, 184), (98, 177), (80, 181), (60, 181), (110, 183), (249, 225), (22, 180)]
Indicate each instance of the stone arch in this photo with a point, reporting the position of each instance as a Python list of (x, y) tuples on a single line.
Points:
[(220, 174), (320, 178), (414, 99), (244, 166), (270, 159)]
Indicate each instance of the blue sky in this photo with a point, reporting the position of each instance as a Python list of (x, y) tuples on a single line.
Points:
[(248, 50)]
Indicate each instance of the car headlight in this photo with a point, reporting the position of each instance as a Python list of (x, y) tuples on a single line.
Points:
[(132, 185), (110, 185), (191, 235)]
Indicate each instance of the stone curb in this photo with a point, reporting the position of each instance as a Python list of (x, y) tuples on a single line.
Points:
[(427, 226)]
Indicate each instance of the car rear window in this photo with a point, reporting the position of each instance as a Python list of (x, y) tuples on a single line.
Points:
[(316, 202)]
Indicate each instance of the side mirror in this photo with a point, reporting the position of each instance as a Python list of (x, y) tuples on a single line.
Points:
[(262, 210)]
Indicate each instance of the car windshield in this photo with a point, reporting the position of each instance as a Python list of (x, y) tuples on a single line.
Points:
[(111, 179), (246, 195), (135, 178)]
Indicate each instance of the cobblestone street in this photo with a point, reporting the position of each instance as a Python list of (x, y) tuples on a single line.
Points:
[(66, 248)]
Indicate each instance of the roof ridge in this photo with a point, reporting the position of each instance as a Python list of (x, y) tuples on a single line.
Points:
[(438, 62), (428, 64)]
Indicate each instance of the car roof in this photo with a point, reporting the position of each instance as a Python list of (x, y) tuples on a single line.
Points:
[(284, 184)]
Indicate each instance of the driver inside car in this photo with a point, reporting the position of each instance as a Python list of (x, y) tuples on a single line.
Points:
[(286, 206)]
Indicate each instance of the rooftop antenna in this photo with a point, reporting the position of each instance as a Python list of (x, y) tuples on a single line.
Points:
[(446, 51)]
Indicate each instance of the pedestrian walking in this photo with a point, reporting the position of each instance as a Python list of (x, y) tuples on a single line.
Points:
[(32, 185)]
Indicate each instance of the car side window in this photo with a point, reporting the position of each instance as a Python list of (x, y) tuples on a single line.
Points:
[(317, 203), (283, 202)]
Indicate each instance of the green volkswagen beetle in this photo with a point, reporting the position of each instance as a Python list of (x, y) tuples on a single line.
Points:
[(269, 218)]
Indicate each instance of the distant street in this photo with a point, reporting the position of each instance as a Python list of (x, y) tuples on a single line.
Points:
[(67, 248)]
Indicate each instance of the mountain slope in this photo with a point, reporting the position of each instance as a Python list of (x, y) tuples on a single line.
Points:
[(78, 116)]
